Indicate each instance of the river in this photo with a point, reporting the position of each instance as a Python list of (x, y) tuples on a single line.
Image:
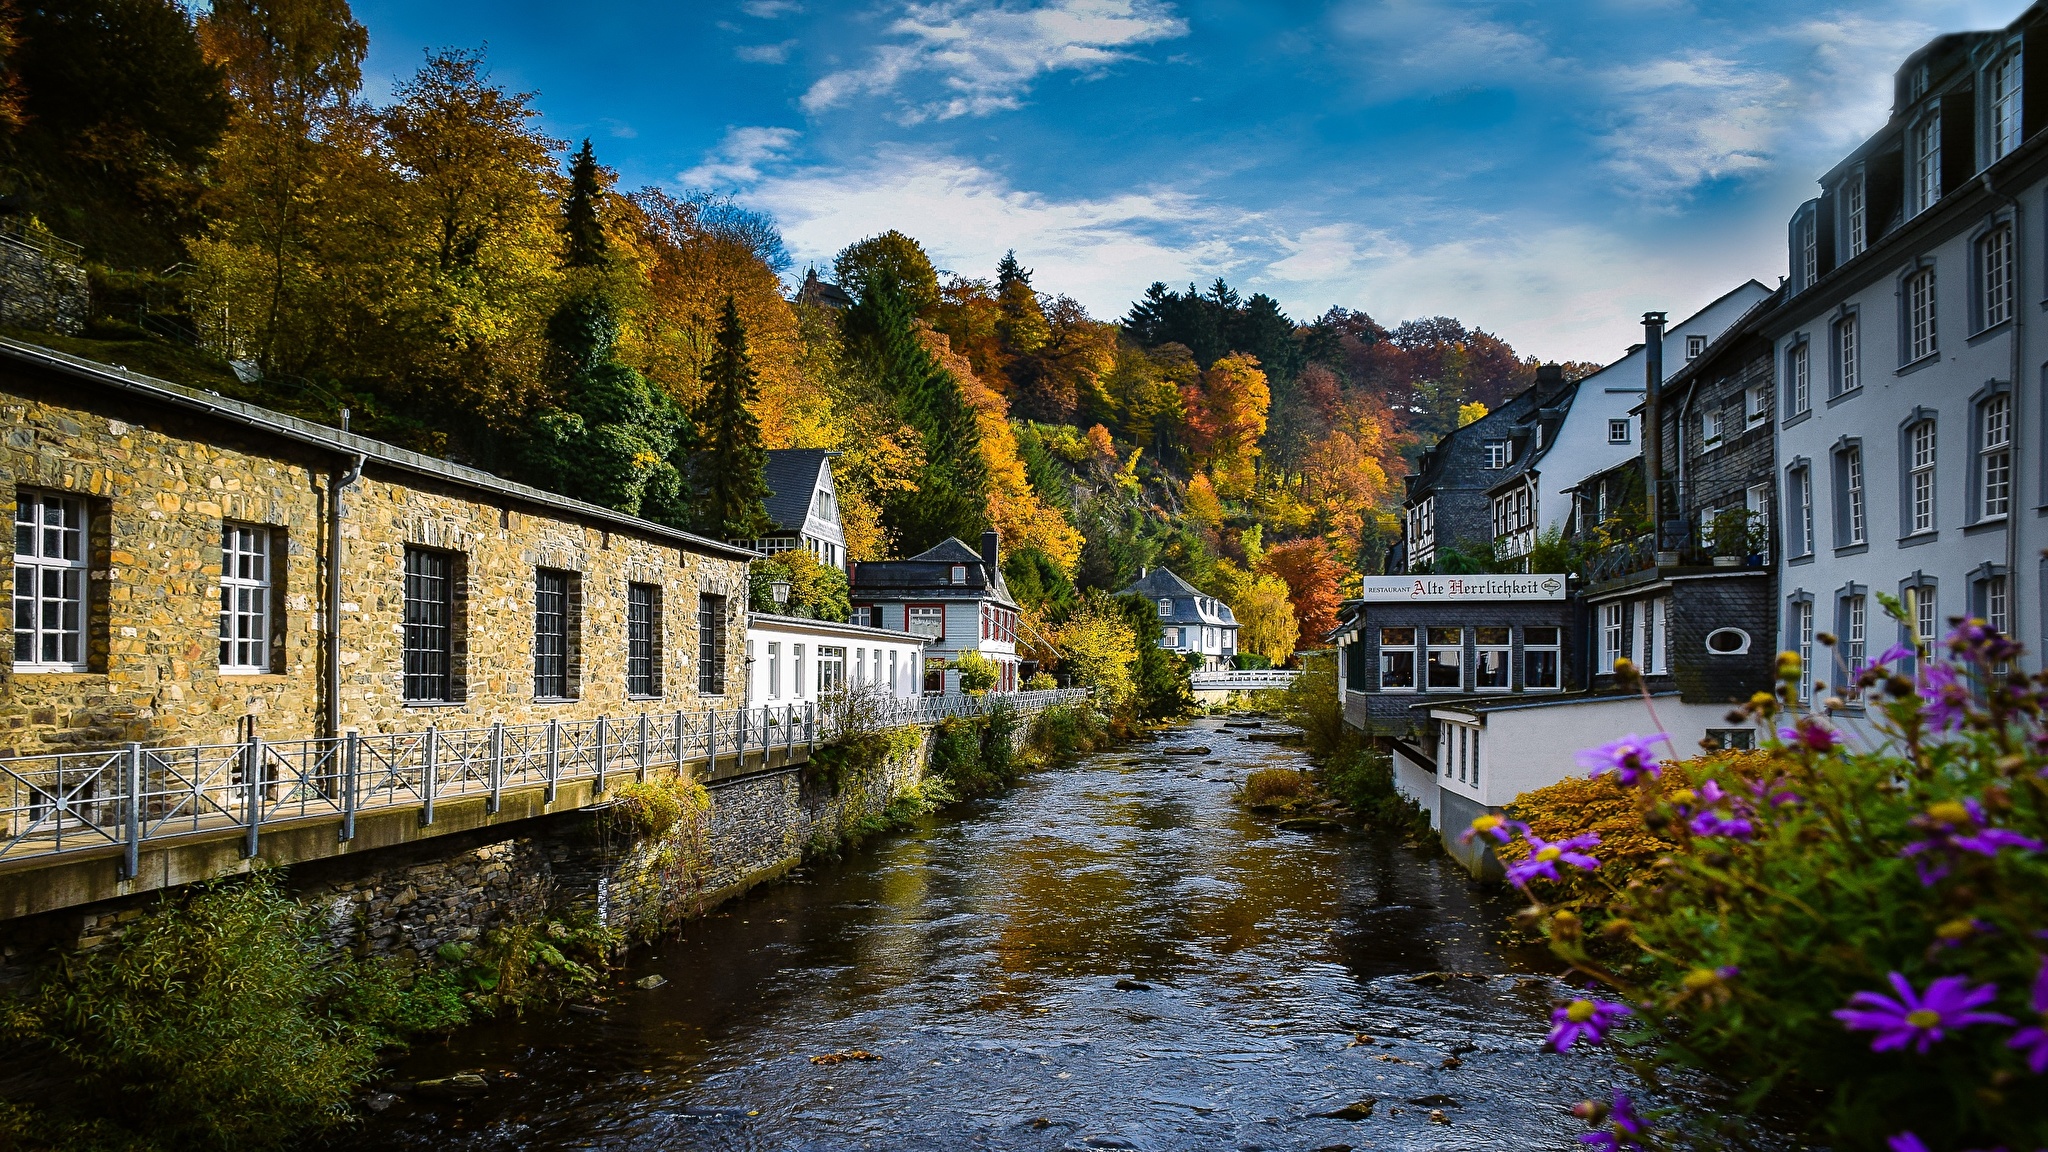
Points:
[(979, 959)]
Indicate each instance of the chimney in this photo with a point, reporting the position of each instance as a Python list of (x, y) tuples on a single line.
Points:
[(1549, 375), (989, 542), (1653, 421)]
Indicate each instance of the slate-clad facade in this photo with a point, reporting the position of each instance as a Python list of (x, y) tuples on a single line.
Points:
[(803, 504), (952, 594)]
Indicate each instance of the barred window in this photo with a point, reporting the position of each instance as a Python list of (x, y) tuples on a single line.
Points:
[(643, 647), (429, 625), (1994, 457), (1920, 336), (50, 577), (711, 644), (245, 598), (1920, 481), (551, 634), (1994, 271)]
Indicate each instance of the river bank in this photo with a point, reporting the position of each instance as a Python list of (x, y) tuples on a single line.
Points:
[(1110, 955)]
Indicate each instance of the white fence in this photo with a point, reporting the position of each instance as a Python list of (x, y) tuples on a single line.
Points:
[(69, 802), (1243, 681)]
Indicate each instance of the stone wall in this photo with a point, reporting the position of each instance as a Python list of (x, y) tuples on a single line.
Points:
[(158, 483), (40, 289)]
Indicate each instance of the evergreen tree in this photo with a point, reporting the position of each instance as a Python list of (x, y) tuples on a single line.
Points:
[(583, 242), (951, 498), (732, 485)]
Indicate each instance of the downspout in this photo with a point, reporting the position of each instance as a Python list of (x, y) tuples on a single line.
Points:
[(1653, 423), (336, 483), (2012, 518)]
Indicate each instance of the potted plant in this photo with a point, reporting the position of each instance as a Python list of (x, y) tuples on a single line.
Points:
[(1730, 537)]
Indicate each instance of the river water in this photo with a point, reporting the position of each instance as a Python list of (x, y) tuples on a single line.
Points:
[(980, 960)]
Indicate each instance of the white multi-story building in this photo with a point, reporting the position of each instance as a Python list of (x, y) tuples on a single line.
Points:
[(1909, 377)]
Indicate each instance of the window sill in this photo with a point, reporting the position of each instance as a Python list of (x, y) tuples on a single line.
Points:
[(434, 703), (1802, 558), (1846, 394), (1853, 549), (1988, 524), (1797, 418), (46, 670), (1912, 366), (1983, 334), (251, 675), (1915, 539), (556, 699), (655, 698)]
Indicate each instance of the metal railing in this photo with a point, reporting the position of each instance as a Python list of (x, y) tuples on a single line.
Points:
[(69, 802), (1243, 680)]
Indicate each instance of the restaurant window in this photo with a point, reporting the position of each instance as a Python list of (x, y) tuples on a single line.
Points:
[(1444, 668), (51, 578), (711, 628), (1397, 658), (1542, 653), (246, 598), (643, 640), (429, 639), (1490, 669)]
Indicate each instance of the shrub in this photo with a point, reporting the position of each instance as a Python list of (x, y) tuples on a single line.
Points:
[(652, 807), (1277, 786), (1067, 730), (1804, 884), (211, 1023), (1041, 682), (977, 673)]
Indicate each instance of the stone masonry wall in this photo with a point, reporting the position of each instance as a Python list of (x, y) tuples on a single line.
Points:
[(159, 484)]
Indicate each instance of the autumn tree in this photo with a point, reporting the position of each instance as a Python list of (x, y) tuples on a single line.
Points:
[(730, 464), (1226, 415), (1312, 576)]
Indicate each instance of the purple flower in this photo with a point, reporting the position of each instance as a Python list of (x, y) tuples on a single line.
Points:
[(1919, 1020), (1623, 1130), (1976, 639), (1722, 822), (1586, 1020), (2033, 1039), (1544, 856), (1953, 827), (1906, 1142), (1947, 698), (1895, 654), (1812, 735), (1629, 757), (1497, 827)]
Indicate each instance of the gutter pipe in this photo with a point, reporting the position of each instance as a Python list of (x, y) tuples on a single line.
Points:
[(337, 482)]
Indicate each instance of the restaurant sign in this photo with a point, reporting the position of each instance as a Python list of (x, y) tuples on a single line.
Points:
[(1409, 589)]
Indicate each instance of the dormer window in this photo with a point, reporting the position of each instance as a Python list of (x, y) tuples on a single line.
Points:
[(2004, 90), (1926, 157), (1165, 609), (1497, 453), (1694, 345), (1854, 214), (959, 573)]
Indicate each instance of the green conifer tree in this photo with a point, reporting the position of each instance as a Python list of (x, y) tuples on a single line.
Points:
[(732, 484), (583, 242)]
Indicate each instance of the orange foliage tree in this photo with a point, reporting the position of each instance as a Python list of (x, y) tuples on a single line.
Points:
[(1226, 415), (1312, 575)]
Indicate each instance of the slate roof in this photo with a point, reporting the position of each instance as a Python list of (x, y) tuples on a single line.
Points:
[(929, 576), (1162, 584), (792, 475)]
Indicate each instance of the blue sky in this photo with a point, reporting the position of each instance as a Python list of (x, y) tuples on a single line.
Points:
[(1545, 169)]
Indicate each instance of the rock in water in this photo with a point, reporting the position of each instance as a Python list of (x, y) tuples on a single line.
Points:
[(1356, 1110), (1128, 985), (1310, 824), (651, 982)]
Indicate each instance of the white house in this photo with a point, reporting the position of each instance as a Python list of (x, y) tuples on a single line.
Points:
[(792, 660), (1190, 622), (804, 505)]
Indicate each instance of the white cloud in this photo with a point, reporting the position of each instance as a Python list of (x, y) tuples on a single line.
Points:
[(765, 53), (1422, 47), (770, 9), (986, 55), (740, 156), (1682, 121)]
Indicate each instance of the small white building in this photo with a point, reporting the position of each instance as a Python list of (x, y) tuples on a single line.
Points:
[(1190, 622), (792, 660)]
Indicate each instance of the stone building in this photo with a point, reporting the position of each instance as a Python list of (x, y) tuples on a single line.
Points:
[(173, 574)]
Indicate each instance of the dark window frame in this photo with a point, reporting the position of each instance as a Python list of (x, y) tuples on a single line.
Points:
[(644, 662), (432, 640), (712, 642)]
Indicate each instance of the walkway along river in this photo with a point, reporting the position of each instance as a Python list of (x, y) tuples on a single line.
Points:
[(1111, 956)]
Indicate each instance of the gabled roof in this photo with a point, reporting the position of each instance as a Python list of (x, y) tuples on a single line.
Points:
[(792, 475), (948, 551), (1191, 605), (929, 576)]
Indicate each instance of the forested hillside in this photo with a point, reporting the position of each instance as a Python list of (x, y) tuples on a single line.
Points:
[(468, 286)]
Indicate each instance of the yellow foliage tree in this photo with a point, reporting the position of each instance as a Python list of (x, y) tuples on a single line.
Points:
[(1226, 418), (1467, 413), (1265, 614), (1099, 649)]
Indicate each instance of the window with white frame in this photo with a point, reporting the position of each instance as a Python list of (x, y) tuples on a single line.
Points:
[(50, 582), (774, 670), (1801, 542), (1496, 453), (925, 620), (1495, 651), (796, 671), (1994, 457), (1852, 495), (1855, 636), (1926, 145), (826, 506), (959, 573), (1798, 378), (1855, 213), (1542, 658), (1756, 500), (1848, 356), (1923, 604), (1397, 658), (1445, 663), (1421, 531), (1612, 635), (1802, 630), (864, 615), (1809, 251), (2004, 85), (1996, 610), (1920, 442), (1994, 276), (1757, 399), (1694, 346), (1920, 332), (1166, 609), (1618, 430), (245, 598), (1710, 428)]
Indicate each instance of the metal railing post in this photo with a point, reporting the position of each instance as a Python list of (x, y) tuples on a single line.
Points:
[(642, 776), (598, 790), (679, 741), (252, 774), (788, 731), (351, 760), (711, 741), (497, 767), (554, 756), (428, 774), (811, 725), (131, 859)]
